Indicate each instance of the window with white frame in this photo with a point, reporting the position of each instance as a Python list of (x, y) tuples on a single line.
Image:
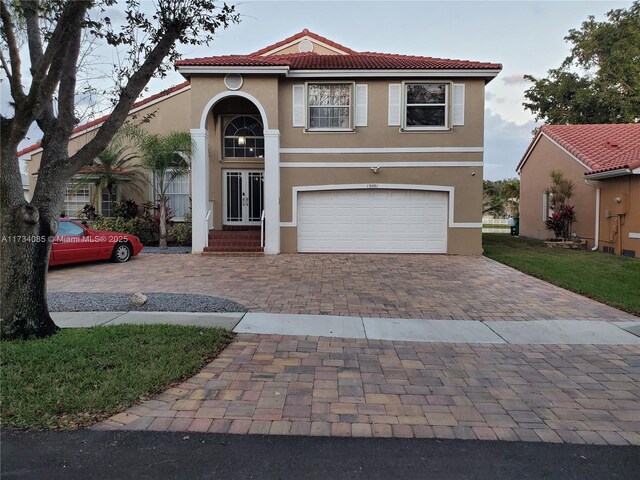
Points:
[(107, 199), (177, 192), (244, 138), (329, 106), (76, 196), (426, 105)]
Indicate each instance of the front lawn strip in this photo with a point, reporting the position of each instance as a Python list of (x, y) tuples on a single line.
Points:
[(80, 376), (607, 278)]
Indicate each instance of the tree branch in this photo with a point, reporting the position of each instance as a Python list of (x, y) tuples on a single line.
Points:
[(15, 78), (128, 97), (67, 89)]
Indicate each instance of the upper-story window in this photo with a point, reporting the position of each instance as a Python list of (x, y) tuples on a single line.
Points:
[(244, 138), (426, 106), (329, 106)]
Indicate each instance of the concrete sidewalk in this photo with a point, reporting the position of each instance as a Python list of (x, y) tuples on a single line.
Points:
[(540, 332)]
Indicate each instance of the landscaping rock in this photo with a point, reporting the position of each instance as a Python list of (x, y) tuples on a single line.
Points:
[(138, 299), (156, 302)]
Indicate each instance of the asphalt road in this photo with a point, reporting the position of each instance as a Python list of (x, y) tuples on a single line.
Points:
[(140, 455)]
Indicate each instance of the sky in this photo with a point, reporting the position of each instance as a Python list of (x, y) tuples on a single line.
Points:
[(526, 37)]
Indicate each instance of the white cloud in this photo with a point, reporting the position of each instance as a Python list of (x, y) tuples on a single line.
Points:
[(514, 79)]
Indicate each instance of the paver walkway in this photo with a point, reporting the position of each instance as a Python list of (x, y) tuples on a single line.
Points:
[(272, 384), (396, 286)]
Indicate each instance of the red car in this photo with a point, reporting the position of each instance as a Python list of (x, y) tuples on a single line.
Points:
[(76, 243)]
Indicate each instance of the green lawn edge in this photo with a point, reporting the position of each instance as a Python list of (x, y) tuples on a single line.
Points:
[(81, 376), (609, 279)]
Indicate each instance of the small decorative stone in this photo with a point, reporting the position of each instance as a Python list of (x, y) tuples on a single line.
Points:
[(138, 299)]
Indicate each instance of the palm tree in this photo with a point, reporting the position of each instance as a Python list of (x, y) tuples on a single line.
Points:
[(492, 202), (115, 167), (510, 192), (167, 157)]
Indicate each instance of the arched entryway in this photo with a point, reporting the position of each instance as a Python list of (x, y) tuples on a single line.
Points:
[(235, 171)]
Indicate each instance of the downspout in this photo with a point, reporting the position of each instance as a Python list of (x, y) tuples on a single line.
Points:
[(597, 232)]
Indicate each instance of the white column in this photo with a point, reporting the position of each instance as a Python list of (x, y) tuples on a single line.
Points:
[(272, 191), (199, 189)]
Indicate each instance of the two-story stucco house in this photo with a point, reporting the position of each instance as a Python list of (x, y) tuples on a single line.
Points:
[(344, 151), (332, 150)]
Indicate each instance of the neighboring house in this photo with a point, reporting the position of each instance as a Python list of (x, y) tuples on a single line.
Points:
[(604, 163), (166, 111), (338, 151)]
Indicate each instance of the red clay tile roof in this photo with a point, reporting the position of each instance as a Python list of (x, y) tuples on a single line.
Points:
[(359, 61), (298, 36), (601, 147), (101, 119), (352, 61)]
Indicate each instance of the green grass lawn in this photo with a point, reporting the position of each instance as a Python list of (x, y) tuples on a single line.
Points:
[(80, 376), (610, 279)]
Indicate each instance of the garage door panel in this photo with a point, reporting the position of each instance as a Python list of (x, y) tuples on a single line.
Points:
[(372, 221)]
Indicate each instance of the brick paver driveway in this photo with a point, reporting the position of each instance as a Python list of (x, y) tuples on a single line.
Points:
[(272, 384), (400, 286)]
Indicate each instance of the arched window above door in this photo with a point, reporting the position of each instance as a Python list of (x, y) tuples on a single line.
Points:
[(243, 138)]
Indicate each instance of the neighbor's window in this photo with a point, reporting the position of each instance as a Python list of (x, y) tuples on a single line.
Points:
[(76, 196), (177, 192), (329, 106), (244, 138), (426, 105)]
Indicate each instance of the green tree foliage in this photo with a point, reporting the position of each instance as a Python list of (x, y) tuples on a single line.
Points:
[(501, 197), (562, 214), (167, 158), (599, 82), (116, 167)]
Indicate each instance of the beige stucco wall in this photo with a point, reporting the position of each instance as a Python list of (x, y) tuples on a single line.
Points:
[(467, 196), (275, 95), (377, 134), (171, 114), (624, 217), (534, 179)]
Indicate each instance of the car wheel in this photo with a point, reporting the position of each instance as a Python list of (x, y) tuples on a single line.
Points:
[(121, 253)]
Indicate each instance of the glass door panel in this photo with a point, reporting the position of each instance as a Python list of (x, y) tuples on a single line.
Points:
[(243, 196)]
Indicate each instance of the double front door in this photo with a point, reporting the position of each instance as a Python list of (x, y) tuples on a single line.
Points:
[(243, 196)]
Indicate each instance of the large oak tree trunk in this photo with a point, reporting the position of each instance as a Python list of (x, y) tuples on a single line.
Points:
[(26, 245)]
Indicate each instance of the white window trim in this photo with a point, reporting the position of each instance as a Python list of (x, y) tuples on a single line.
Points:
[(447, 107), (156, 200), (224, 120), (307, 109), (103, 190), (89, 202)]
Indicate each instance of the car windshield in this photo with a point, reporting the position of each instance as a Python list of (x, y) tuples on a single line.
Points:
[(66, 229)]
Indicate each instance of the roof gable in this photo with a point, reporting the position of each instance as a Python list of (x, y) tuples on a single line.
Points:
[(304, 42)]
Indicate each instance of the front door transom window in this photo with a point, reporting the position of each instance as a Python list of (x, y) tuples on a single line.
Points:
[(244, 138)]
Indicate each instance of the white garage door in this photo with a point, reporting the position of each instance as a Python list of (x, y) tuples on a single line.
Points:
[(374, 221)]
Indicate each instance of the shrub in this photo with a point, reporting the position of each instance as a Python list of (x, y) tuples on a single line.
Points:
[(127, 209), (88, 212), (182, 232), (560, 222)]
